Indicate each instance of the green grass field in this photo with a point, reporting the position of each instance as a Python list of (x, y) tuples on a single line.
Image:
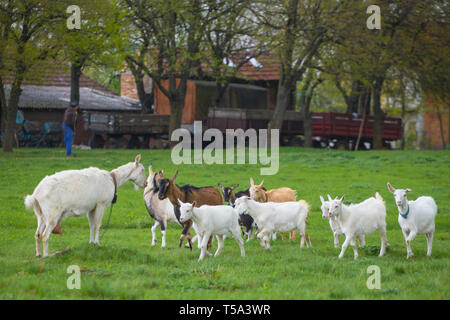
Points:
[(126, 266)]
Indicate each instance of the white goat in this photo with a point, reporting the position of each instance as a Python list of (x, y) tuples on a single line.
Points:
[(160, 210), (415, 217), (72, 193), (276, 217), (334, 223), (217, 220), (360, 219)]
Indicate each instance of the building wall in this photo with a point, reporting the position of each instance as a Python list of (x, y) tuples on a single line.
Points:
[(128, 89), (128, 86), (432, 131), (162, 105)]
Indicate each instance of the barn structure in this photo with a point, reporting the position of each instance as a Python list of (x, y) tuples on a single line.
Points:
[(254, 87), (45, 98)]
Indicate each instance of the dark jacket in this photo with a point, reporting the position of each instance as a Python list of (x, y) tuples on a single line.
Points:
[(69, 117)]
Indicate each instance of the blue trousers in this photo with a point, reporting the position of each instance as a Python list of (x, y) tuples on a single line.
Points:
[(68, 138)]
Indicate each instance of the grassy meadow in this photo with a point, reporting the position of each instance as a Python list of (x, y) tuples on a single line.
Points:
[(126, 266)]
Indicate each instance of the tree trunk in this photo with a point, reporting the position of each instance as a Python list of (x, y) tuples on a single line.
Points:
[(75, 74), (287, 81), (403, 101), (352, 102), (284, 100), (11, 112), (378, 114), (441, 127), (364, 102), (146, 99), (3, 106), (307, 124), (220, 92), (307, 116), (176, 97), (304, 103), (176, 112)]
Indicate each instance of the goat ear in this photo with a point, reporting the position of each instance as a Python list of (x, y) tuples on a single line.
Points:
[(236, 186), (329, 198), (220, 186), (261, 184), (194, 204), (321, 199), (391, 188), (408, 190), (252, 183), (180, 202), (138, 159), (150, 171), (342, 199), (174, 176)]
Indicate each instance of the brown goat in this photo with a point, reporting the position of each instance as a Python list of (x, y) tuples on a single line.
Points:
[(258, 193), (187, 193)]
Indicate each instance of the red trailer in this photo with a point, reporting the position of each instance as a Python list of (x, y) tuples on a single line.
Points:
[(338, 130)]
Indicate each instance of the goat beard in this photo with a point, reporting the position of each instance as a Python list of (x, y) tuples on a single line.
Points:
[(136, 187)]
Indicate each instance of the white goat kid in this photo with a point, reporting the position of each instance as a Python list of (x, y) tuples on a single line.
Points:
[(160, 210), (276, 217), (360, 219), (334, 223), (217, 220), (415, 217), (72, 193)]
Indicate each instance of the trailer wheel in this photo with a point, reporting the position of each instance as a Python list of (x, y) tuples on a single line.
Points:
[(96, 142)]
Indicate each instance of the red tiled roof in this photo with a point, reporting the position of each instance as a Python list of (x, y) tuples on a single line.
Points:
[(270, 69)]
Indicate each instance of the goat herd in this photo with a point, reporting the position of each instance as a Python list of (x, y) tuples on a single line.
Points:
[(90, 191)]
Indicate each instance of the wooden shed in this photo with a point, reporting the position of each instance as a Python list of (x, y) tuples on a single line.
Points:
[(200, 96)]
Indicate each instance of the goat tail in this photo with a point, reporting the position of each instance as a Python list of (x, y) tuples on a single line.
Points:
[(308, 208), (29, 203), (379, 197), (32, 204)]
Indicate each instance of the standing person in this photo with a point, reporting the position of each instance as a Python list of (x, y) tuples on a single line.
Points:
[(68, 126)]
